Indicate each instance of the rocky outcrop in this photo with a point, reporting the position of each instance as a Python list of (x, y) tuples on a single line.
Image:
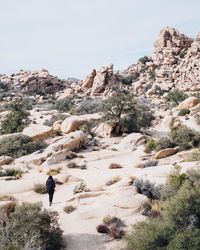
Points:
[(131, 141), (88, 82), (32, 83), (188, 103)]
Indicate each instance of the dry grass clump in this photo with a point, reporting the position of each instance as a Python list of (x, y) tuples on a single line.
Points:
[(7, 198), (152, 208), (11, 172), (111, 226), (54, 171), (146, 164), (40, 188), (73, 164), (69, 209), (113, 181), (114, 166), (195, 156)]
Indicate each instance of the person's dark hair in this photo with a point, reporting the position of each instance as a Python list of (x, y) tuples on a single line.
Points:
[(50, 177)]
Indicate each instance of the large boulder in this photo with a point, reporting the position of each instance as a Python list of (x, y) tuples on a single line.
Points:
[(38, 132), (106, 129), (171, 38), (166, 152), (73, 123), (131, 141), (188, 103), (69, 142), (57, 157)]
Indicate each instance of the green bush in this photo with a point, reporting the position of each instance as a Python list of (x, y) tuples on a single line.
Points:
[(125, 111), (69, 209), (147, 188), (19, 145), (65, 104), (144, 59), (178, 227), (195, 156), (54, 119), (150, 146), (16, 120), (185, 137), (164, 143), (175, 97), (183, 112), (40, 188), (30, 227), (11, 172), (88, 106)]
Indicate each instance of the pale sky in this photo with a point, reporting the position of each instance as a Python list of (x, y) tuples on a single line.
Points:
[(71, 37)]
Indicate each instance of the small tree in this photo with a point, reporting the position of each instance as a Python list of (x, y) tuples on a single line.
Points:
[(16, 120), (124, 110), (176, 96)]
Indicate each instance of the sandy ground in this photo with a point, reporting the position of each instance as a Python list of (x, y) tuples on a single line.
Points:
[(119, 200)]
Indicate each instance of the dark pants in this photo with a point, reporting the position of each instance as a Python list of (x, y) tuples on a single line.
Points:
[(51, 196)]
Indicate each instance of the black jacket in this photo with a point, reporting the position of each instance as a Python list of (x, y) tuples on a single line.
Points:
[(50, 184)]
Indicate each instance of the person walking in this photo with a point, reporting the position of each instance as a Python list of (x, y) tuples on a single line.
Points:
[(50, 184)]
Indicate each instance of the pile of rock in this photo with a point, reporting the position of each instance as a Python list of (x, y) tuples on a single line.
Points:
[(33, 82)]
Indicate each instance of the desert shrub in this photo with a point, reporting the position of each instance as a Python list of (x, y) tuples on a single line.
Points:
[(54, 119), (103, 229), (11, 172), (150, 146), (195, 156), (16, 120), (72, 164), (126, 112), (7, 198), (165, 143), (28, 103), (144, 59), (108, 220), (175, 97), (65, 104), (115, 231), (69, 209), (178, 227), (151, 208), (149, 163), (185, 137), (30, 227), (190, 239), (40, 188), (113, 181), (112, 226), (79, 188), (19, 145), (115, 166), (147, 188), (174, 181), (88, 127), (183, 112), (88, 106)]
